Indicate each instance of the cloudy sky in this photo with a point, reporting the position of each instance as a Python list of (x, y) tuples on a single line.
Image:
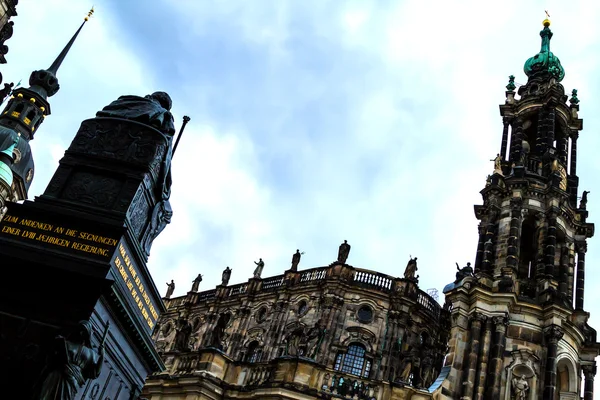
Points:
[(314, 121)]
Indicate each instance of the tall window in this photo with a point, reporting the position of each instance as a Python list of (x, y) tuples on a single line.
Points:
[(254, 352), (353, 361)]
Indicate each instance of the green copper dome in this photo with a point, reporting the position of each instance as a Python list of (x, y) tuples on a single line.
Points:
[(544, 64), (5, 172)]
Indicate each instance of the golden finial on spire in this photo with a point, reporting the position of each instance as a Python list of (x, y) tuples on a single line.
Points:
[(90, 14), (546, 22)]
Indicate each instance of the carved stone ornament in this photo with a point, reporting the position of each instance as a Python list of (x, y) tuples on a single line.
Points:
[(553, 333), (73, 362), (520, 387)]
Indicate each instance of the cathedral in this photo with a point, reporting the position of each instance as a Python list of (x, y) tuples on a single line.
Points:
[(512, 326)]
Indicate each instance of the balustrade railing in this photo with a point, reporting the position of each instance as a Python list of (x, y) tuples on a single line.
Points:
[(257, 374), (316, 274), (177, 301), (207, 296), (372, 280), (349, 387), (237, 289), (430, 305), (186, 363), (272, 283)]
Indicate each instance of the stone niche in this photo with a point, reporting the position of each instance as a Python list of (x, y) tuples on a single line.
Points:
[(524, 364)]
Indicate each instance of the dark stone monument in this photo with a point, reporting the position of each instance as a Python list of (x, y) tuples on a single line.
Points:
[(80, 252)]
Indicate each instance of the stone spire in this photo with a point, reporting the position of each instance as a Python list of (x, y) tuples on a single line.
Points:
[(24, 113)]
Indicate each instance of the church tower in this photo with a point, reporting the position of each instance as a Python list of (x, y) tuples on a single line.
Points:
[(519, 327)]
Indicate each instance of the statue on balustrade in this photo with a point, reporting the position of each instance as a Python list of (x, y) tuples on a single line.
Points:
[(259, 268), (184, 329), (343, 252), (296, 260), (463, 272), (225, 277), (411, 269), (497, 164), (520, 388), (170, 289), (584, 200), (196, 283), (71, 364)]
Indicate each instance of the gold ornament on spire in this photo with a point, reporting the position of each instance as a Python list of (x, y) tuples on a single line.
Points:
[(546, 22), (89, 14)]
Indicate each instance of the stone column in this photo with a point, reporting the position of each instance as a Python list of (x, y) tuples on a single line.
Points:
[(479, 256), (516, 145), (471, 362), (512, 251), (497, 361), (540, 140), (581, 250), (550, 249), (550, 126), (488, 245), (589, 371), (553, 334), (504, 144), (573, 168), (486, 342)]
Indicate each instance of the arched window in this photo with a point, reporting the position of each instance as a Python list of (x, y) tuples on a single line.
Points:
[(353, 361), (254, 352)]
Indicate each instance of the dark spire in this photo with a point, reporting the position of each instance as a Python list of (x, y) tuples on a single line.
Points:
[(44, 81)]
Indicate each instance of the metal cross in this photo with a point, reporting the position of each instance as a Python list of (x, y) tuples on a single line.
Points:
[(548, 15)]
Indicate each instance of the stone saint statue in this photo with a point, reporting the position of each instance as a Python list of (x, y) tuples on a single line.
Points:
[(259, 267), (463, 272), (584, 200), (170, 289), (293, 341), (296, 260), (343, 252), (225, 277), (411, 269), (520, 388), (314, 337), (497, 164), (218, 333), (182, 336), (73, 362), (196, 283)]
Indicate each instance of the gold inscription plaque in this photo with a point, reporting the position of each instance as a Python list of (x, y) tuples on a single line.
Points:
[(135, 286), (59, 236)]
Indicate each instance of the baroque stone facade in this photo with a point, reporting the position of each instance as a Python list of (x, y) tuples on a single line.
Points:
[(335, 330), (518, 327)]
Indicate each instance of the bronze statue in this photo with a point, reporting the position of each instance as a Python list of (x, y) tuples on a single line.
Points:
[(161, 217), (196, 283), (296, 260), (259, 267), (520, 388), (170, 290), (584, 200), (225, 277), (73, 362), (153, 110), (184, 329), (343, 252), (411, 269), (8, 87)]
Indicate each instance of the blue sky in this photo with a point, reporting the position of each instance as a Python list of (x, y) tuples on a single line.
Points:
[(314, 121)]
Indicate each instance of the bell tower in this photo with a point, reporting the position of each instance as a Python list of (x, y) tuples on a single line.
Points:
[(519, 327)]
